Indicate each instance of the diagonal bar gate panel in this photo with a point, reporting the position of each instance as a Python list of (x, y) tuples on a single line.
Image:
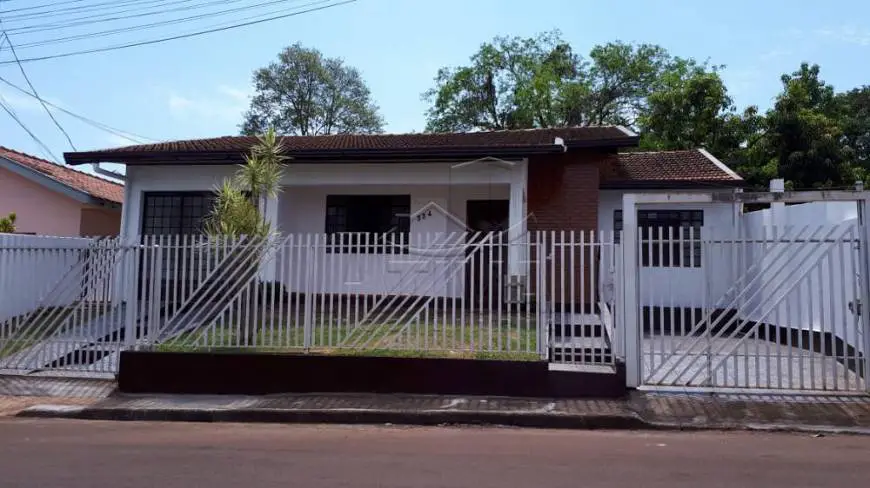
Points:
[(776, 311)]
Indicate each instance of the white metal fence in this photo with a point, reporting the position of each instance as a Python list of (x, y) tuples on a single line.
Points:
[(774, 310), (457, 295)]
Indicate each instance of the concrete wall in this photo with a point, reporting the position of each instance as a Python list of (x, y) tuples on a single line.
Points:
[(39, 210)]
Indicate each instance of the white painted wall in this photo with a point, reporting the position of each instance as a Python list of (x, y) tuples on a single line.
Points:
[(434, 264), (31, 267), (677, 286), (301, 211), (141, 179)]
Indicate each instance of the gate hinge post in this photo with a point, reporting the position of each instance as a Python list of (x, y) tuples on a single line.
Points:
[(864, 256), (632, 327)]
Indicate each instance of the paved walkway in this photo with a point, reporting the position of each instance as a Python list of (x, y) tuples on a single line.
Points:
[(94, 399)]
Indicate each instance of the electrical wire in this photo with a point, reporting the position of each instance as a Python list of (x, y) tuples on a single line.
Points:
[(153, 25), (35, 93), (130, 136), (83, 9), (38, 141), (181, 36), (100, 18)]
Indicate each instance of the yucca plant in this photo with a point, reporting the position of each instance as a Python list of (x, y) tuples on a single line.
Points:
[(236, 217), (236, 211)]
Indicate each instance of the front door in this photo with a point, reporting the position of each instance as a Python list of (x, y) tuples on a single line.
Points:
[(486, 263)]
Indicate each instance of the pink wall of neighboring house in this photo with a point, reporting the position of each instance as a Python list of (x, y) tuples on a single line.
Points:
[(43, 211), (100, 222)]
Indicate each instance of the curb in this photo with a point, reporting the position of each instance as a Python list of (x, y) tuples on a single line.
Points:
[(414, 418), (342, 416)]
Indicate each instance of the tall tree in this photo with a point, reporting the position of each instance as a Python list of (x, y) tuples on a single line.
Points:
[(854, 108), (691, 108), (803, 135), (305, 93), (514, 83)]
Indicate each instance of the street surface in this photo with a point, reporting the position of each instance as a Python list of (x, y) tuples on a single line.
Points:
[(77, 454)]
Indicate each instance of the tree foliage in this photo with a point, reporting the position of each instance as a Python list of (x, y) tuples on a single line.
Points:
[(305, 93), (811, 136), (7, 223), (516, 83), (236, 210)]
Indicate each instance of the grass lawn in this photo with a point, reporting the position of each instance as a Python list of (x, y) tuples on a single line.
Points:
[(24, 331), (479, 336)]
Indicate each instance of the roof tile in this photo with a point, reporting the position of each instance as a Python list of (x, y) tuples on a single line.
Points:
[(92, 185), (690, 165), (387, 142)]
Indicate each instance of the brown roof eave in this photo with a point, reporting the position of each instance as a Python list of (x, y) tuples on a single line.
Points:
[(231, 157), (347, 155), (670, 184)]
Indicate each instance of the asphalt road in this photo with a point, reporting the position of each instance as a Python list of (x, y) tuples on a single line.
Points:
[(74, 454)]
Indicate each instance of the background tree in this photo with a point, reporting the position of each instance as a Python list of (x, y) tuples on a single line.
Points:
[(305, 93), (803, 137), (7, 223), (515, 83), (854, 114)]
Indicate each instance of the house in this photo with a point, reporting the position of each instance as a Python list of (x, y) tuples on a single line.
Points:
[(569, 179), (340, 189), (50, 199)]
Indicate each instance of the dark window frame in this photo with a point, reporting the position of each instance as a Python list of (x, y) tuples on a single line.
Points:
[(368, 223), (181, 212), (670, 238)]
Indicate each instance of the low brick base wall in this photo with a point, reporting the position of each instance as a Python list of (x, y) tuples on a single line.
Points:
[(259, 374)]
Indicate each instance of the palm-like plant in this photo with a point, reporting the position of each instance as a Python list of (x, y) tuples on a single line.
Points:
[(236, 210), (236, 216)]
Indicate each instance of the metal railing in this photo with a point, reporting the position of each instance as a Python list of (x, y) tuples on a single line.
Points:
[(467, 295), (772, 311)]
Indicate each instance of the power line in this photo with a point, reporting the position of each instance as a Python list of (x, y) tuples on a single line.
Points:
[(152, 25), (35, 93), (80, 9), (104, 17), (182, 36), (130, 136), (14, 116)]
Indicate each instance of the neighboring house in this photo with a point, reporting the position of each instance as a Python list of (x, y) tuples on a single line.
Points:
[(568, 179), (50, 199)]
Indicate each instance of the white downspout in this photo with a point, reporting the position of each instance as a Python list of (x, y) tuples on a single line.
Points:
[(107, 173)]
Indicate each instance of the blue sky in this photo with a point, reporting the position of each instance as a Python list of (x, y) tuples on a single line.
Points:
[(199, 87)]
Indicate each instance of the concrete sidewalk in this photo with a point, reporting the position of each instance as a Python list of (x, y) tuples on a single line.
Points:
[(93, 399)]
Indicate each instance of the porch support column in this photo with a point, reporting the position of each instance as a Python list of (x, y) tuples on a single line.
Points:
[(269, 211), (517, 248)]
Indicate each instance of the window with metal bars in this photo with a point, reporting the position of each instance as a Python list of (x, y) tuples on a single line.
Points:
[(176, 213), (669, 238), (374, 224)]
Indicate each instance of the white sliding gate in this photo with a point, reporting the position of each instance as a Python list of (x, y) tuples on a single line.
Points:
[(776, 309)]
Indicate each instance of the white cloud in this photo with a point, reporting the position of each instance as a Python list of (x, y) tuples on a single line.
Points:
[(774, 53), (19, 101), (114, 140), (847, 34), (223, 104)]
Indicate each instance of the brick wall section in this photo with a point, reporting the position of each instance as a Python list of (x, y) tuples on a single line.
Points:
[(562, 194)]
